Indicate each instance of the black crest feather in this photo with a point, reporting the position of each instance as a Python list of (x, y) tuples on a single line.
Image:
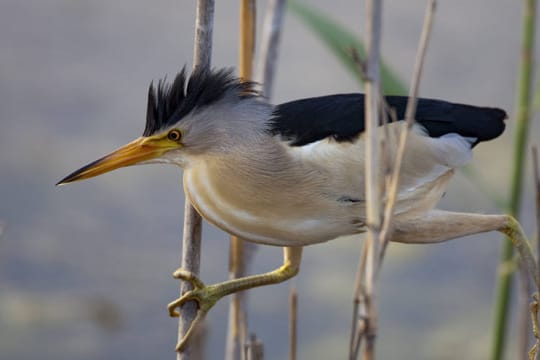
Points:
[(168, 103)]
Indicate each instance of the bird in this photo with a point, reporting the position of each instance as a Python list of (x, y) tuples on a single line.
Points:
[(291, 175)]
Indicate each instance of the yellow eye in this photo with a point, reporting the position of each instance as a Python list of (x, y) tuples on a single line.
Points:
[(174, 135)]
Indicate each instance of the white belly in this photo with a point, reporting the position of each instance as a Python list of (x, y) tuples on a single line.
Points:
[(270, 227)]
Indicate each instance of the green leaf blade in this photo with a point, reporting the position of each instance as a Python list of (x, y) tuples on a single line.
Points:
[(341, 41)]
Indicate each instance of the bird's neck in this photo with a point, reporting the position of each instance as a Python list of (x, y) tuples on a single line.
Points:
[(247, 178), (250, 170)]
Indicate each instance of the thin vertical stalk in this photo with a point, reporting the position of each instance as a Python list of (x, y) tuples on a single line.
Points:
[(536, 172), (392, 189), (269, 51), (204, 29), (191, 261), (271, 34), (237, 324), (191, 241), (357, 325), (363, 298), (524, 313), (523, 109), (254, 350), (373, 184), (293, 317), (534, 352), (247, 38)]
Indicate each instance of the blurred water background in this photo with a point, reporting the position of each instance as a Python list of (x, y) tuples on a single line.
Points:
[(85, 269)]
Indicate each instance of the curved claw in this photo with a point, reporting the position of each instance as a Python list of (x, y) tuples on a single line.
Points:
[(190, 277), (197, 285), (172, 306), (205, 296)]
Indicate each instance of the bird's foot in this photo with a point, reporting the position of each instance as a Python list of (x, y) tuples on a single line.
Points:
[(205, 296)]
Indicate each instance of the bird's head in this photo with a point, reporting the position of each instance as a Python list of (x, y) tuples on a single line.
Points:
[(188, 117)]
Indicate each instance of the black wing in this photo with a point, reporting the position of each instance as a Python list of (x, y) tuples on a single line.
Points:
[(341, 117)]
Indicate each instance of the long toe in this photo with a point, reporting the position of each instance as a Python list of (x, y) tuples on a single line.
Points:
[(188, 276), (206, 297), (188, 296)]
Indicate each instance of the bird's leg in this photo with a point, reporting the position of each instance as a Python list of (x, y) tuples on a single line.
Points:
[(438, 226), (206, 296)]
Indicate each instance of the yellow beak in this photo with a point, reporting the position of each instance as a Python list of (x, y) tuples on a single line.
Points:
[(141, 149)]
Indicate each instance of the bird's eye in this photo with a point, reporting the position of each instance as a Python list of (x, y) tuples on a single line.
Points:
[(174, 135)]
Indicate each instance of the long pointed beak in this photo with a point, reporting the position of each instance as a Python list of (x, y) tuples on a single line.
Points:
[(139, 150)]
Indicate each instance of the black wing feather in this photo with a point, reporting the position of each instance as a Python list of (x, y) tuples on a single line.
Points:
[(341, 117)]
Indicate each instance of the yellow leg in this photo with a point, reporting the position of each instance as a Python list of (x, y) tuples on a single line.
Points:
[(207, 296), (438, 226)]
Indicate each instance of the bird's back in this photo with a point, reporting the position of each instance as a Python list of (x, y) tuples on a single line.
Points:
[(341, 117)]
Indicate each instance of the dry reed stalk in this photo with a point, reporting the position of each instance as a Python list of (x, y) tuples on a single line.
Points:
[(372, 158), (293, 318), (533, 353), (391, 191), (271, 35), (237, 324), (364, 310), (191, 242)]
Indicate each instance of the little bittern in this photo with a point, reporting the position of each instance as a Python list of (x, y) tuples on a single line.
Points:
[(291, 175)]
